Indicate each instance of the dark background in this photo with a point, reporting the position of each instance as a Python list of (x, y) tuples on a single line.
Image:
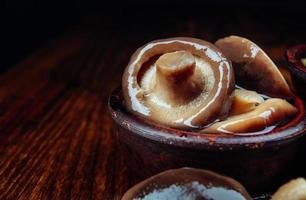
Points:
[(27, 25)]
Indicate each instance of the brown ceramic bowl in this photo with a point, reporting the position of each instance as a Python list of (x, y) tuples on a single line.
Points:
[(298, 70), (259, 162)]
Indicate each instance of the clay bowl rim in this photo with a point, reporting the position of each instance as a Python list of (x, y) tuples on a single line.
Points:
[(293, 56), (291, 131)]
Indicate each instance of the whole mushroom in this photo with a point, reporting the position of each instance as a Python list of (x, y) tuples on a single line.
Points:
[(178, 82), (264, 115), (253, 67)]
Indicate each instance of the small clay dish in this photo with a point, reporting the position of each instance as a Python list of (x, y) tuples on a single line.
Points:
[(260, 162), (188, 183), (298, 70)]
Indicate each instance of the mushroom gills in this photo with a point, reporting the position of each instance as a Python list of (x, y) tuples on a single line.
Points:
[(177, 90), (177, 79), (253, 68), (268, 113)]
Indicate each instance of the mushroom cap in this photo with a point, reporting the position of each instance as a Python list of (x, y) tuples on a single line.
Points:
[(264, 115), (293, 190), (244, 101), (253, 68), (213, 72), (188, 183)]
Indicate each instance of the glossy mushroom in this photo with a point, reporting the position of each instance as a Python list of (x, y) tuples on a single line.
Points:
[(293, 190), (244, 101), (188, 184), (178, 82), (264, 115), (253, 68), (303, 61)]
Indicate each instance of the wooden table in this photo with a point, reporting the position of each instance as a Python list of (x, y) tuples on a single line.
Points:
[(56, 138)]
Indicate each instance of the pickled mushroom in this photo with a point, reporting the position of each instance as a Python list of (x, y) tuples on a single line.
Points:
[(267, 113), (253, 68), (176, 81), (303, 60), (244, 101), (187, 85), (293, 190)]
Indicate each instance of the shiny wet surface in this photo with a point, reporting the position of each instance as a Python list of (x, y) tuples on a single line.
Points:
[(56, 133)]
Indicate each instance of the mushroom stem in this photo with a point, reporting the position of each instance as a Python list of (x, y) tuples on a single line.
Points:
[(176, 80)]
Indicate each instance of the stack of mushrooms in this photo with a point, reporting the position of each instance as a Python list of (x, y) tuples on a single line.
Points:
[(191, 84)]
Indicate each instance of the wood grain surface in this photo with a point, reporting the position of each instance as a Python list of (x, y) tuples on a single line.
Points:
[(56, 137)]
